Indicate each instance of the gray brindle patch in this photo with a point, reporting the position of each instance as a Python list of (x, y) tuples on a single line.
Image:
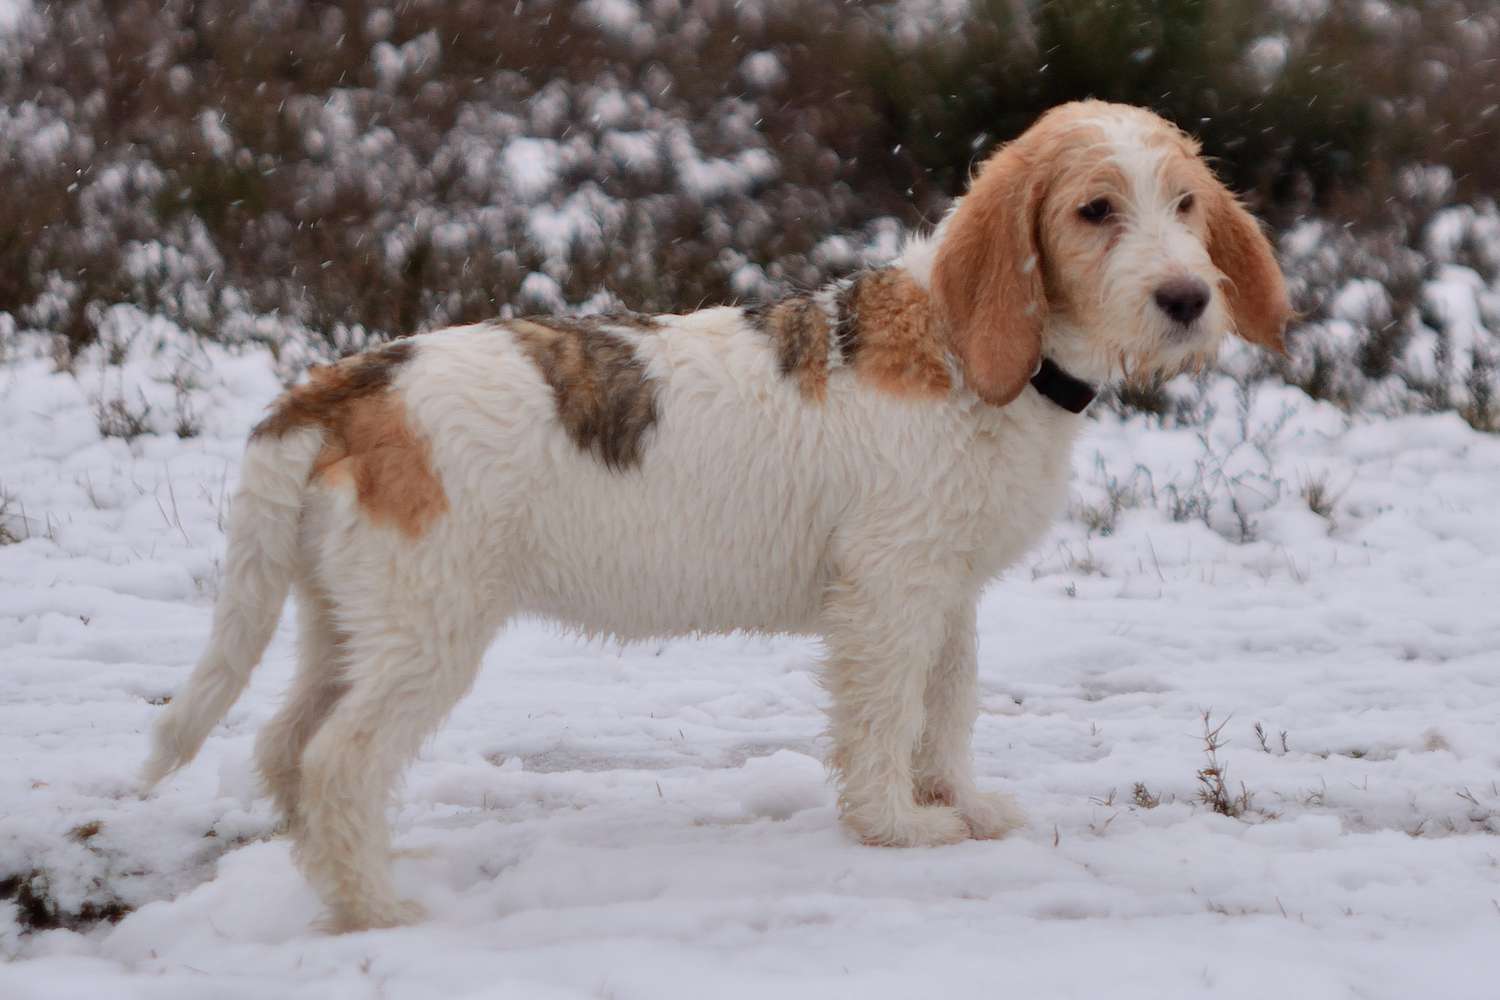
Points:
[(811, 338), (846, 326), (605, 400), (800, 331)]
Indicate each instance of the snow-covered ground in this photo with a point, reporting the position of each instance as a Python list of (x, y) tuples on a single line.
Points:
[(654, 821)]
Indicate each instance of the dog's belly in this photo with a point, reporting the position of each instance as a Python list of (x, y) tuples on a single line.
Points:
[(671, 603), (715, 531), (622, 561)]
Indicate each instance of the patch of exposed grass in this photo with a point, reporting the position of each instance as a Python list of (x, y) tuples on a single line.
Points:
[(12, 524), (117, 417), (1143, 797), (1213, 785), (37, 909)]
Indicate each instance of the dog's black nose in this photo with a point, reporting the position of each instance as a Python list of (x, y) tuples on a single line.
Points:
[(1183, 299)]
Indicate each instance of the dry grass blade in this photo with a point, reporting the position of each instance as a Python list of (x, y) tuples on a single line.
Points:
[(1213, 788)]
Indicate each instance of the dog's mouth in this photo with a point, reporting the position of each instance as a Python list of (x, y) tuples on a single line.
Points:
[(1184, 335), (1191, 350)]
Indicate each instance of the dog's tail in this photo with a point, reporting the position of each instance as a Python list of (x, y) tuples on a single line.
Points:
[(262, 551)]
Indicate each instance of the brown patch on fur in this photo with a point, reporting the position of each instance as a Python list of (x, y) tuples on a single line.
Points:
[(374, 448), (886, 332), (1256, 292), (899, 345), (605, 400), (330, 387), (367, 440), (800, 333)]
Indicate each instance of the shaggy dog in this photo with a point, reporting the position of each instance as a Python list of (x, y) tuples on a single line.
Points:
[(855, 463)]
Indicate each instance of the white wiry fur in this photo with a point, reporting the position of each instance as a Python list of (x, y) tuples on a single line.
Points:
[(266, 512), (868, 517)]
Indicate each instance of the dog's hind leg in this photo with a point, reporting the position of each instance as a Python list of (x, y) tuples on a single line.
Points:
[(319, 684), (407, 666)]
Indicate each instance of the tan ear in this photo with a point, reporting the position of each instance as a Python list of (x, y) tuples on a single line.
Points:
[(1256, 291), (987, 277)]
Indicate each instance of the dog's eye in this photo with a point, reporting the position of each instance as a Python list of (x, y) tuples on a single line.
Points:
[(1096, 211), (1185, 204)]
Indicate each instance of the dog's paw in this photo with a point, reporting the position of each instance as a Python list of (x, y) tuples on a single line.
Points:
[(990, 814), (917, 826), (373, 916)]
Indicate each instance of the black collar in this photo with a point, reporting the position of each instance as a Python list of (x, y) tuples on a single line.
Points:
[(1072, 394)]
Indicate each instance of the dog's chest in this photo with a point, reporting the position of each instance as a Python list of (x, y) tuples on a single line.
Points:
[(1021, 467)]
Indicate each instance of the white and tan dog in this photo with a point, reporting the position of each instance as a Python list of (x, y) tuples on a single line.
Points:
[(856, 463)]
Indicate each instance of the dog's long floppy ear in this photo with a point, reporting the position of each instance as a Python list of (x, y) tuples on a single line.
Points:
[(1256, 291), (987, 276)]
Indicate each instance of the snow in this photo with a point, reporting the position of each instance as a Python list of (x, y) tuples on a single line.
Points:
[(712, 177), (654, 821), (1267, 57), (541, 292), (1363, 301), (394, 63), (12, 13), (577, 221), (1432, 183), (635, 151), (220, 142), (763, 70), (33, 135), (531, 165), (618, 17)]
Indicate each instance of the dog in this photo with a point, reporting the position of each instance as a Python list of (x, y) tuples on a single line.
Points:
[(855, 463)]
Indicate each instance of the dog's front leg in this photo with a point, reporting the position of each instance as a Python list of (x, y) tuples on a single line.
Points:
[(944, 769), (884, 636)]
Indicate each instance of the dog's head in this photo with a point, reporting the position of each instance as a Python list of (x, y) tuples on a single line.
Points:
[(1101, 235)]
